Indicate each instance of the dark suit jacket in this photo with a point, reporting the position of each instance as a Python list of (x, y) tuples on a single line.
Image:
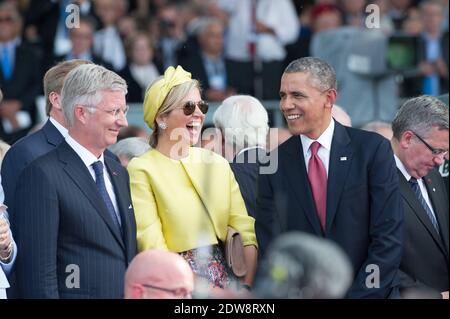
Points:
[(363, 214), (24, 151), (425, 262), (194, 63), (245, 168), (61, 223), (135, 92), (24, 85)]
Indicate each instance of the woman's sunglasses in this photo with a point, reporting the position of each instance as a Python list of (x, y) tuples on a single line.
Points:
[(189, 107)]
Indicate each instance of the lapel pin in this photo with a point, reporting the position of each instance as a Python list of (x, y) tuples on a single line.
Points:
[(343, 158), (115, 173), (130, 207), (434, 189)]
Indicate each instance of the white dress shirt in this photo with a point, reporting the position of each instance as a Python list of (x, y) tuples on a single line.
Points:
[(88, 159), (422, 187), (61, 129), (108, 45), (279, 15), (324, 151)]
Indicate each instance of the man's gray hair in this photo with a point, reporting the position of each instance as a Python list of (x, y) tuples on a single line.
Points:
[(323, 74), (130, 147), (204, 23), (420, 114), (243, 121), (84, 85)]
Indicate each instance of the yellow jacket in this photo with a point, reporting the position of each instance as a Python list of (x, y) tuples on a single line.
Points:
[(166, 198)]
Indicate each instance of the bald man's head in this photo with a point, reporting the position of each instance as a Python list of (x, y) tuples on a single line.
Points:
[(156, 274)]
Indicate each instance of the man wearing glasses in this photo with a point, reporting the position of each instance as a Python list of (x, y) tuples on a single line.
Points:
[(420, 145), (73, 211), (158, 274)]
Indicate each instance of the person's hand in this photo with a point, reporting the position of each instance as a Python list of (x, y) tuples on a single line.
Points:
[(444, 294), (441, 68), (426, 68), (262, 28), (9, 109), (5, 240)]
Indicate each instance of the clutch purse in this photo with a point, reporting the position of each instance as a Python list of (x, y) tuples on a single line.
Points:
[(234, 252)]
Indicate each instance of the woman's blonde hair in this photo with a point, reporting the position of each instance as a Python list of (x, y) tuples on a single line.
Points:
[(171, 102)]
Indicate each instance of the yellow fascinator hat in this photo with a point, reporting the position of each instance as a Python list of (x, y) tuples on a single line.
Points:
[(155, 96)]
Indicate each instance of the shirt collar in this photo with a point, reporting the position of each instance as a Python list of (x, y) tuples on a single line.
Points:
[(86, 156), (64, 132), (249, 148), (402, 168), (325, 139)]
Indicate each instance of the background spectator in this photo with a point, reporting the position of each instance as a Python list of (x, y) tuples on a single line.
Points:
[(157, 274), (140, 70), (129, 148), (20, 77)]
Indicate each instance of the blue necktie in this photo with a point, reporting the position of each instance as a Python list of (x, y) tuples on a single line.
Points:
[(416, 189), (100, 181), (6, 64)]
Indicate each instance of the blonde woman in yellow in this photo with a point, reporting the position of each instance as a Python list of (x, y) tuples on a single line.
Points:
[(184, 197)]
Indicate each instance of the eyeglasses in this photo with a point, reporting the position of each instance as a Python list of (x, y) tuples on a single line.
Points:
[(179, 293), (114, 112), (189, 107), (434, 151)]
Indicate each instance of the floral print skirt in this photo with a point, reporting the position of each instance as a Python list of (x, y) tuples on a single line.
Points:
[(209, 262)]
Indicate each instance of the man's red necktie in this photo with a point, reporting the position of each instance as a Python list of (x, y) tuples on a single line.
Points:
[(317, 176)]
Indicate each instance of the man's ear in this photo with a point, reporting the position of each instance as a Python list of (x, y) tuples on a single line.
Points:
[(137, 292), (331, 98), (80, 113), (55, 100), (161, 118), (406, 139)]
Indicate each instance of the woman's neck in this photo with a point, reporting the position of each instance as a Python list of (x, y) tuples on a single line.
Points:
[(175, 150)]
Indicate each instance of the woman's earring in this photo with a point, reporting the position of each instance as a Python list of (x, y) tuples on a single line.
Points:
[(162, 125)]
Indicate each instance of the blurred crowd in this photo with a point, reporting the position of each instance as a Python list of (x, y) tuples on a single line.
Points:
[(231, 47)]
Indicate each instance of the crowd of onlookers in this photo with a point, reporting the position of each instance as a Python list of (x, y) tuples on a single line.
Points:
[(229, 46)]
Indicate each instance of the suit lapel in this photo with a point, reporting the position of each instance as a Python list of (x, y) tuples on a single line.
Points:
[(79, 173), (54, 137), (124, 205), (339, 165), (297, 176), (411, 199), (439, 209)]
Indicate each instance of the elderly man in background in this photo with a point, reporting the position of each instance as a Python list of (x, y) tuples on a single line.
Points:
[(158, 274), (243, 123), (8, 248), (129, 148)]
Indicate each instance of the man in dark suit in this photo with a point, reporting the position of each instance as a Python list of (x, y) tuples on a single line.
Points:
[(420, 144), (81, 235), (24, 151), (82, 40), (19, 77), (207, 63), (334, 182)]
